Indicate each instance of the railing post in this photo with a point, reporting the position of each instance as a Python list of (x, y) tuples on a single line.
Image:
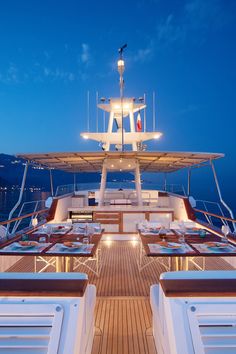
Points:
[(51, 182), (189, 181), (220, 196), (165, 182), (20, 195)]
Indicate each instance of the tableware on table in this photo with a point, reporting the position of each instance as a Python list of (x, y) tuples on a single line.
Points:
[(162, 233), (202, 233), (49, 232), (88, 233), (225, 230), (170, 245), (27, 244), (70, 244), (182, 230), (25, 237), (218, 245), (42, 239)]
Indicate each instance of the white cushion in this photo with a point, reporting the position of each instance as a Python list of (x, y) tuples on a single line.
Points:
[(62, 276), (208, 274)]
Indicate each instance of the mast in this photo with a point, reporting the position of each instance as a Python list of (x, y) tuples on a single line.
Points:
[(121, 69), (120, 109)]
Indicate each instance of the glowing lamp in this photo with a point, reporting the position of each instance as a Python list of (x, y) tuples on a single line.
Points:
[(156, 136), (34, 222), (85, 136), (121, 66)]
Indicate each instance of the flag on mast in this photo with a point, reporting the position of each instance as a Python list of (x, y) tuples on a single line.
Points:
[(139, 123)]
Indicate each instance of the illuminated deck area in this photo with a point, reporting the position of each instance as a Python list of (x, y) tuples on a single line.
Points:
[(123, 317)]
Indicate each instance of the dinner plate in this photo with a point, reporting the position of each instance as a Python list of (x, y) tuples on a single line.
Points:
[(73, 245), (217, 245), (30, 245), (171, 245)]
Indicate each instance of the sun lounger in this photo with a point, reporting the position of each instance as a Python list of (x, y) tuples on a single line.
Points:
[(195, 312), (46, 313)]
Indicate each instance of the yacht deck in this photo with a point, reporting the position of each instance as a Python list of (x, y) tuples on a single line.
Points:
[(123, 316)]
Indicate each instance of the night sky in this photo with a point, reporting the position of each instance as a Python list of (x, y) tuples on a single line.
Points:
[(53, 52)]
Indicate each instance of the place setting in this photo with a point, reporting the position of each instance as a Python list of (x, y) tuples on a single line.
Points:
[(71, 247), (170, 247), (83, 228), (147, 229), (53, 229), (221, 246), (25, 247)]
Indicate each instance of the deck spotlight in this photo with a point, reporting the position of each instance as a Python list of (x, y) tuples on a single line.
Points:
[(85, 136), (156, 136)]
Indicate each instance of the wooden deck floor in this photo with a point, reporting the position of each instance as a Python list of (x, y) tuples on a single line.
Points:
[(123, 317)]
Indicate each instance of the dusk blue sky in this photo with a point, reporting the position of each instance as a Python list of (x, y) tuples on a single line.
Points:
[(52, 52)]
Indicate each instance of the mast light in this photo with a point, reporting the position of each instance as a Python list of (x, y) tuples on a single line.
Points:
[(85, 136), (121, 66)]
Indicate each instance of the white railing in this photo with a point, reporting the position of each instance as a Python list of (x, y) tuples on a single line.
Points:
[(71, 188), (27, 208), (214, 213)]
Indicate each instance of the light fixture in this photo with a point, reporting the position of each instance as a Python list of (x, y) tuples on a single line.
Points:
[(117, 106), (129, 165), (121, 66), (85, 136), (156, 136), (34, 222), (120, 160), (112, 165)]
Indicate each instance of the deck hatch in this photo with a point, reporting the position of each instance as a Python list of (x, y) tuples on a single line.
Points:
[(30, 328), (213, 328)]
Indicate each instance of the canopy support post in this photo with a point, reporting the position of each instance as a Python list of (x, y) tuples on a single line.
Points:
[(138, 184), (20, 196), (103, 184), (220, 196)]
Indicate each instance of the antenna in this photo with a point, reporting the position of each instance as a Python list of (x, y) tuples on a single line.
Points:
[(121, 49)]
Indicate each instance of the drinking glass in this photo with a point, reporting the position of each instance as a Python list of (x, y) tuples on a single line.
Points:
[(49, 232), (163, 233), (182, 230), (86, 234), (225, 230), (90, 232)]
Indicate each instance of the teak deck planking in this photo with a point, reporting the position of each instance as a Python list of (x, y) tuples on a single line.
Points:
[(123, 318)]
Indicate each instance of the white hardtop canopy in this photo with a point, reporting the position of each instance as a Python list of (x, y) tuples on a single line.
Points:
[(158, 161)]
